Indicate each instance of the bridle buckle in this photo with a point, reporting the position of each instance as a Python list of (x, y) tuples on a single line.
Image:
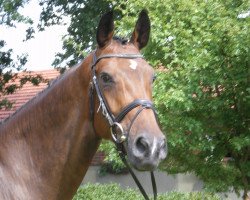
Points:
[(117, 133)]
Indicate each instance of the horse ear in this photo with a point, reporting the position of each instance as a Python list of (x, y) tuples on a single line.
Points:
[(141, 32), (105, 29)]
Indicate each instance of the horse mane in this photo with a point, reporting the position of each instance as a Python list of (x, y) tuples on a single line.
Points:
[(50, 84)]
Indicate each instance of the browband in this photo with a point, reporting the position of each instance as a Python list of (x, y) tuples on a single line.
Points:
[(128, 56)]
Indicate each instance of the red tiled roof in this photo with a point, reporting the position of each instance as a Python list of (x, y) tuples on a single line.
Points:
[(27, 92)]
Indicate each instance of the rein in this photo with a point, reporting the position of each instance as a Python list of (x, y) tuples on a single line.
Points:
[(117, 132)]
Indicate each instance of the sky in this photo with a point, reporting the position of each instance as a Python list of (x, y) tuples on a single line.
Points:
[(42, 48)]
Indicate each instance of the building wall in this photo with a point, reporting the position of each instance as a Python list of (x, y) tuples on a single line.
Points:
[(165, 182)]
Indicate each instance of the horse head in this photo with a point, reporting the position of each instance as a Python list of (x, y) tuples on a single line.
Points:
[(123, 81)]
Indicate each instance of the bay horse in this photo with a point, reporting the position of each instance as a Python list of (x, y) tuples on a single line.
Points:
[(46, 147)]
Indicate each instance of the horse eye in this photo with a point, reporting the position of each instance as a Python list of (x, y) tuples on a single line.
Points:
[(106, 78)]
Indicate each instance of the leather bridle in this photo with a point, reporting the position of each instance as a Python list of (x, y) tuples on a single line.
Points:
[(118, 134)]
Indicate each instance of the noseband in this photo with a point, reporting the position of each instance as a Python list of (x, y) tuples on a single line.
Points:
[(117, 132)]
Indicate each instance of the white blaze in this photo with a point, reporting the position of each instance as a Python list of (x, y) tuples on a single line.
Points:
[(133, 64), (154, 147)]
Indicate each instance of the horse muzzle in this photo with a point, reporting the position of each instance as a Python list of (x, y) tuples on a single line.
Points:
[(146, 151)]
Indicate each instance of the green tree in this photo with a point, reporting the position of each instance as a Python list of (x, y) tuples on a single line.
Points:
[(9, 66), (203, 91), (201, 50)]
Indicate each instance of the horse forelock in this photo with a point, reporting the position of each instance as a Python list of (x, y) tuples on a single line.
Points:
[(121, 40)]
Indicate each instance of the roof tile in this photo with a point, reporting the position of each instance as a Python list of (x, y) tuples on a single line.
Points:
[(27, 92)]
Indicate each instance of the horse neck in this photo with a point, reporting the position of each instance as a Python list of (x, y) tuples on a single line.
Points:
[(52, 136)]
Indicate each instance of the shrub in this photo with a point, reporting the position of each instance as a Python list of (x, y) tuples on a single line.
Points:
[(112, 168), (114, 192)]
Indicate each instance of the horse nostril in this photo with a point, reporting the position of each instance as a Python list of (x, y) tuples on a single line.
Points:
[(142, 145)]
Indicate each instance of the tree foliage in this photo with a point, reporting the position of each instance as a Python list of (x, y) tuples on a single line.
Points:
[(85, 16), (204, 96), (9, 12), (9, 66)]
